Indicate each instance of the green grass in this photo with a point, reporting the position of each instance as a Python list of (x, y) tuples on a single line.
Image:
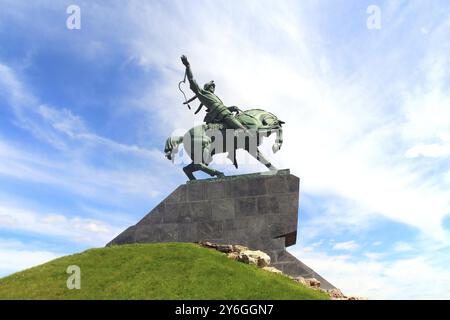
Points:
[(153, 271)]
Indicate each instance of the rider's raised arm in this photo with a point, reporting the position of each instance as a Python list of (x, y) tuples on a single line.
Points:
[(192, 83)]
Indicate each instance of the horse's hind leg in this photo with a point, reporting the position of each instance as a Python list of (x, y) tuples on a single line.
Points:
[(212, 172), (193, 167), (189, 170)]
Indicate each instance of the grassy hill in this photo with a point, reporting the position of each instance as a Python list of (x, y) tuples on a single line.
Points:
[(152, 271)]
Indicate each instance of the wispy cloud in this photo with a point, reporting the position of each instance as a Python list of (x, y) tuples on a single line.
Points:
[(433, 150), (16, 255), (69, 164), (348, 245), (14, 260), (377, 277), (73, 228), (402, 247)]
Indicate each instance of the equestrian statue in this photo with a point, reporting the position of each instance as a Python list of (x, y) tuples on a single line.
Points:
[(225, 130)]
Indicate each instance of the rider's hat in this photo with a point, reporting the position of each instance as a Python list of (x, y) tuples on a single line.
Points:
[(209, 85)]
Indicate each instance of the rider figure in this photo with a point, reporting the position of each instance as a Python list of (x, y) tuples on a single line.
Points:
[(217, 112)]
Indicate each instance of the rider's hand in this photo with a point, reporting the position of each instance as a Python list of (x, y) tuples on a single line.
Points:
[(185, 60), (233, 109)]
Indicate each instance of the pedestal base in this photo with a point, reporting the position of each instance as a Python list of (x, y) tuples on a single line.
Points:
[(259, 211)]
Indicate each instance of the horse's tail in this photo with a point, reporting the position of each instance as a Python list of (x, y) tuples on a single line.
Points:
[(171, 147)]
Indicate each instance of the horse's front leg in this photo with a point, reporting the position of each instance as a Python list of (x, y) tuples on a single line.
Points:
[(189, 170), (278, 141), (261, 158)]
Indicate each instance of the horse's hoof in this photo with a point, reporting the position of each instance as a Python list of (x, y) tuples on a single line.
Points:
[(220, 175)]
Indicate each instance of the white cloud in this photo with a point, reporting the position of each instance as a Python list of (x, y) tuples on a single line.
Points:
[(373, 255), (16, 260), (73, 229), (434, 150), (412, 278), (402, 247), (62, 120), (78, 175), (11, 87), (16, 256), (6, 220), (348, 245), (56, 125), (71, 165)]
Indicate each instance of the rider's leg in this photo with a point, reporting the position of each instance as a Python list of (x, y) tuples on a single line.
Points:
[(231, 122)]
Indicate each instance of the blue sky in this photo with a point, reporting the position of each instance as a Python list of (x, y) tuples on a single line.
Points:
[(84, 115)]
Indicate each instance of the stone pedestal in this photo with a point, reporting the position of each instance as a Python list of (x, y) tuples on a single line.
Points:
[(256, 210)]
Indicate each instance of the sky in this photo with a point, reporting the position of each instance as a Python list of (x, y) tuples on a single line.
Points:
[(84, 114)]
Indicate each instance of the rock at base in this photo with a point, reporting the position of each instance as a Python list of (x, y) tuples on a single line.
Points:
[(256, 257), (273, 270)]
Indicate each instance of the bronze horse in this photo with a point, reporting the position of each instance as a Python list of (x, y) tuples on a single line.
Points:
[(203, 141)]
